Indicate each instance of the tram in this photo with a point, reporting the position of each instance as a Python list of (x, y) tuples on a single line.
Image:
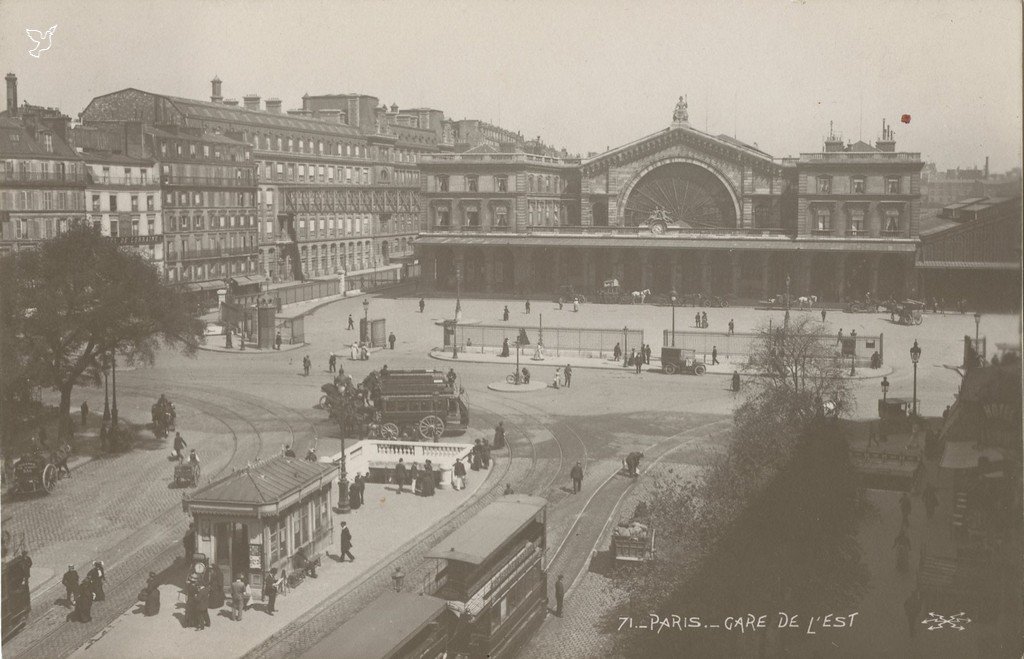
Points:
[(17, 602), (491, 573)]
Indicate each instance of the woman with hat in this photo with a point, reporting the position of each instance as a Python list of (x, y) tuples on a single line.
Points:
[(98, 576)]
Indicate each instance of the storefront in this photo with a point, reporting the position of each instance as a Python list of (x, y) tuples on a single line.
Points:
[(260, 517)]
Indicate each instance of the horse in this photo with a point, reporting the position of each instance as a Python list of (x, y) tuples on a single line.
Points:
[(640, 295), (807, 301)]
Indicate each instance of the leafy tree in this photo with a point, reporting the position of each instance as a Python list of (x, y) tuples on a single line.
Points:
[(77, 299), (769, 525)]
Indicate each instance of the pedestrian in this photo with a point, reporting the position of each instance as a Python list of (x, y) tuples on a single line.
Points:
[(451, 377), (714, 355), (617, 352), (459, 475), (83, 602), (931, 500), (427, 483), (647, 354), (423, 305), (559, 595), (638, 362), (527, 306), (346, 543), (179, 446), (97, 576), (561, 303), (85, 414), (365, 352), (351, 323), (704, 319), (632, 357), (361, 490), (311, 455), (696, 320), (839, 336), (151, 601), (504, 315), (499, 435), (237, 598), (270, 588), (391, 340), (508, 489), (735, 382), (485, 454), (557, 381), (822, 315), (246, 594), (400, 475), (193, 457), (332, 363), (905, 508), (912, 609), (353, 494), (732, 327), (70, 583), (475, 457), (504, 348), (306, 363), (576, 473), (902, 546), (277, 341), (568, 375)]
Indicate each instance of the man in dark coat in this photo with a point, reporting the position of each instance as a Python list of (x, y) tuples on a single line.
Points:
[(576, 473), (423, 305), (216, 586), (351, 323), (714, 355), (400, 475), (70, 582), (97, 577), (617, 352), (151, 605), (391, 340), (696, 320), (485, 455), (270, 590), (504, 315), (499, 435), (474, 456), (559, 595), (203, 607), (332, 363), (568, 379), (735, 381), (85, 414), (353, 494), (427, 486), (346, 543), (459, 475), (361, 490), (277, 341)]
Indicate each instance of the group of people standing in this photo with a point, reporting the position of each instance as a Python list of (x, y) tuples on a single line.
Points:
[(423, 480), (81, 594), (700, 320)]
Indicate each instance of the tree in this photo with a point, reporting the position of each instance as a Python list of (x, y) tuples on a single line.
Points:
[(79, 298)]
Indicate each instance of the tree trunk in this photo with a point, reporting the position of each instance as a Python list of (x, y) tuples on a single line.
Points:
[(65, 409)]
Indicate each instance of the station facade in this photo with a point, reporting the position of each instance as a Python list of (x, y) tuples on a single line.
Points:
[(677, 210)]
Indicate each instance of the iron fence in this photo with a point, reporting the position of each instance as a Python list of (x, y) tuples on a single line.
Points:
[(744, 344), (581, 342)]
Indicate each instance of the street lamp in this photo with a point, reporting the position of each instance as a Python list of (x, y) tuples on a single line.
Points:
[(787, 290), (458, 293), (366, 319), (113, 386), (885, 387), (915, 356), (672, 298), (343, 421), (106, 397), (977, 328)]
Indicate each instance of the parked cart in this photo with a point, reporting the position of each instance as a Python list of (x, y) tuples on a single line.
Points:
[(34, 472), (186, 475), (632, 542)]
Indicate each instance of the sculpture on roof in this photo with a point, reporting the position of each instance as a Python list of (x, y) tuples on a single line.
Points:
[(680, 115)]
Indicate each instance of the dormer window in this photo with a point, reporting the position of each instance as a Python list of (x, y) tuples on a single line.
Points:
[(48, 142)]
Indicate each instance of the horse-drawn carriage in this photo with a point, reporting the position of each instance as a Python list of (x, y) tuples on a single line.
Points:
[(35, 472), (163, 416), (867, 305), (611, 293), (909, 312), (187, 474)]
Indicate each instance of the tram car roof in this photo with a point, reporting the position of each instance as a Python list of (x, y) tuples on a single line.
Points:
[(476, 540), (383, 627)]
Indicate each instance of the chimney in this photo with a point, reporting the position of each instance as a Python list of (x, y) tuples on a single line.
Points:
[(986, 166), (888, 141), (12, 94), (252, 101), (215, 96), (394, 108), (233, 102), (274, 105)]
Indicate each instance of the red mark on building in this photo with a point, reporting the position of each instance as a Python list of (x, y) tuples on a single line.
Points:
[(905, 118)]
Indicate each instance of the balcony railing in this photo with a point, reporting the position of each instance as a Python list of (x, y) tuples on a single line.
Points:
[(618, 231), (497, 158), (847, 156), (212, 253), (216, 181), (130, 181), (41, 177)]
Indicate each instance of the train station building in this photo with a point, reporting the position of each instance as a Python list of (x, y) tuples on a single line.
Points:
[(679, 209)]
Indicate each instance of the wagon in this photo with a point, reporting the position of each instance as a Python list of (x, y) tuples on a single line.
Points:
[(681, 360), (633, 543), (34, 472), (910, 312), (896, 414), (186, 475)]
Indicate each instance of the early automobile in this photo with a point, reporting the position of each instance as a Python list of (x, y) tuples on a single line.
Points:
[(910, 312), (681, 360)]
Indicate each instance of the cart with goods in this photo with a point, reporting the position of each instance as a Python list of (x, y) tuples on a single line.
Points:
[(632, 542), (186, 475), (34, 472)]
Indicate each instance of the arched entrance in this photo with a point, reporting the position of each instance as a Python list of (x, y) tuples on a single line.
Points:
[(683, 193)]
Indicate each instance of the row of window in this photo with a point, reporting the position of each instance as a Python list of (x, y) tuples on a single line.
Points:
[(194, 244), (471, 215), (44, 169), (193, 150), (856, 221), (267, 142), (38, 200), (112, 204), (103, 175), (279, 171), (36, 228), (208, 199), (204, 271), (115, 227), (858, 184), (199, 222)]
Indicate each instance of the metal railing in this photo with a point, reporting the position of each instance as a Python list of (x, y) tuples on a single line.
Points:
[(744, 344), (218, 181), (131, 181), (609, 230), (193, 254), (31, 176), (557, 341)]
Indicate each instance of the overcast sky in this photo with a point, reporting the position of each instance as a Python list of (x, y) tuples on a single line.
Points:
[(581, 74)]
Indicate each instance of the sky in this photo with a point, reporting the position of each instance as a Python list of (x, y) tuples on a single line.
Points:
[(584, 75)]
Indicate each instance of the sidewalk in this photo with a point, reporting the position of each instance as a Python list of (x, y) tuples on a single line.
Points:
[(725, 367), (386, 522)]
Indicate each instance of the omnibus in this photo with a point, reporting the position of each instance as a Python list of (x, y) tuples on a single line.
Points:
[(420, 403), (491, 572)]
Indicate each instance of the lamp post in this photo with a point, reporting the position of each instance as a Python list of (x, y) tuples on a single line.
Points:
[(672, 298), (787, 290), (977, 328), (343, 421), (915, 356), (366, 319), (458, 293), (113, 386), (885, 387), (106, 397)]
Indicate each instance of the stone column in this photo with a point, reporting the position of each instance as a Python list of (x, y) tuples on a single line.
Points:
[(705, 272), (803, 275), (766, 275), (909, 277), (677, 273), (734, 265), (840, 276), (489, 265), (646, 268), (618, 265), (874, 263)]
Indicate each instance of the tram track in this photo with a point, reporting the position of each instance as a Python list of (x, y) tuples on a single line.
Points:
[(122, 583)]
